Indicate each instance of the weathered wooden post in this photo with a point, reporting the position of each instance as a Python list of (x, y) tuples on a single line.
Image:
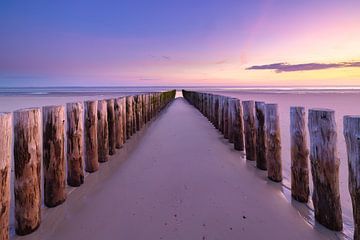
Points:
[(54, 155), (299, 155), (27, 164), (119, 135), (220, 113), (231, 119), (103, 132), (273, 143), (325, 168), (134, 111), (352, 138), (129, 117), (260, 135), (249, 130), (238, 127), (5, 171), (75, 151), (123, 104), (216, 112), (111, 125), (226, 117), (91, 140)]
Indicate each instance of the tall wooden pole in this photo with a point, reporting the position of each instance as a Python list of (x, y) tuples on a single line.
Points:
[(90, 135), (325, 168), (238, 127), (231, 119), (249, 130), (75, 146), (352, 138), (129, 117), (54, 155), (111, 125), (119, 135), (103, 132), (5, 171), (299, 155), (27, 163), (273, 144), (260, 111)]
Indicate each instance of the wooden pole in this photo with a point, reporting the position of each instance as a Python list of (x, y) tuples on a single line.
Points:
[(226, 118), (134, 112), (54, 155), (111, 125), (238, 127), (27, 164), (123, 104), (299, 155), (119, 135), (5, 171), (273, 143), (352, 138), (325, 168), (129, 117), (231, 119), (249, 130), (91, 140), (75, 149), (103, 132), (260, 136)]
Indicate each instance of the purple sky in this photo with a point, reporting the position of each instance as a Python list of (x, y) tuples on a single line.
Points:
[(175, 42)]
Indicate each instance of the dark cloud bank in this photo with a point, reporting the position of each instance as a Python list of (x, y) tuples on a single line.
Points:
[(285, 67)]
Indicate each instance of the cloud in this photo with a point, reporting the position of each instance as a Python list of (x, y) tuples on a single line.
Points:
[(285, 67)]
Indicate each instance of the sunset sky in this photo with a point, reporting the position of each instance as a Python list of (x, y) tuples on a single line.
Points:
[(179, 42)]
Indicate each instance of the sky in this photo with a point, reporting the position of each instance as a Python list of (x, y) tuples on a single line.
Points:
[(179, 42)]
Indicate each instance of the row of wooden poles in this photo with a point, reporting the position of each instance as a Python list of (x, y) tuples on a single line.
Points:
[(92, 135), (258, 123)]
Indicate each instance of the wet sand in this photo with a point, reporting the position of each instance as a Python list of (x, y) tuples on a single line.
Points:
[(177, 179)]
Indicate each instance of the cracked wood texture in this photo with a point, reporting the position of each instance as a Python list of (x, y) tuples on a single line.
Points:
[(129, 117), (5, 171), (231, 120), (299, 155), (325, 168), (75, 146), (249, 129), (111, 125), (119, 128), (54, 155), (91, 140), (352, 138), (27, 164), (260, 135), (238, 127), (103, 131), (273, 143)]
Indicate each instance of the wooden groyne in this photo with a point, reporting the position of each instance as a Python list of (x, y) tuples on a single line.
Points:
[(95, 130), (260, 128)]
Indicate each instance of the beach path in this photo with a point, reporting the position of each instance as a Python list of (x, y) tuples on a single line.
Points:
[(182, 180)]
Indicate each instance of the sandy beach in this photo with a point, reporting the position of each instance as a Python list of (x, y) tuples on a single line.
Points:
[(177, 179)]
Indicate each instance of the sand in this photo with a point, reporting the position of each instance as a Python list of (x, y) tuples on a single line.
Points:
[(177, 179)]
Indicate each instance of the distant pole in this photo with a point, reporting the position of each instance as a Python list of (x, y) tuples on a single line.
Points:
[(102, 132), (5, 171), (260, 112), (238, 127), (325, 168), (299, 155), (27, 160), (352, 133), (249, 130), (54, 155), (273, 145), (90, 136), (75, 148), (111, 125)]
